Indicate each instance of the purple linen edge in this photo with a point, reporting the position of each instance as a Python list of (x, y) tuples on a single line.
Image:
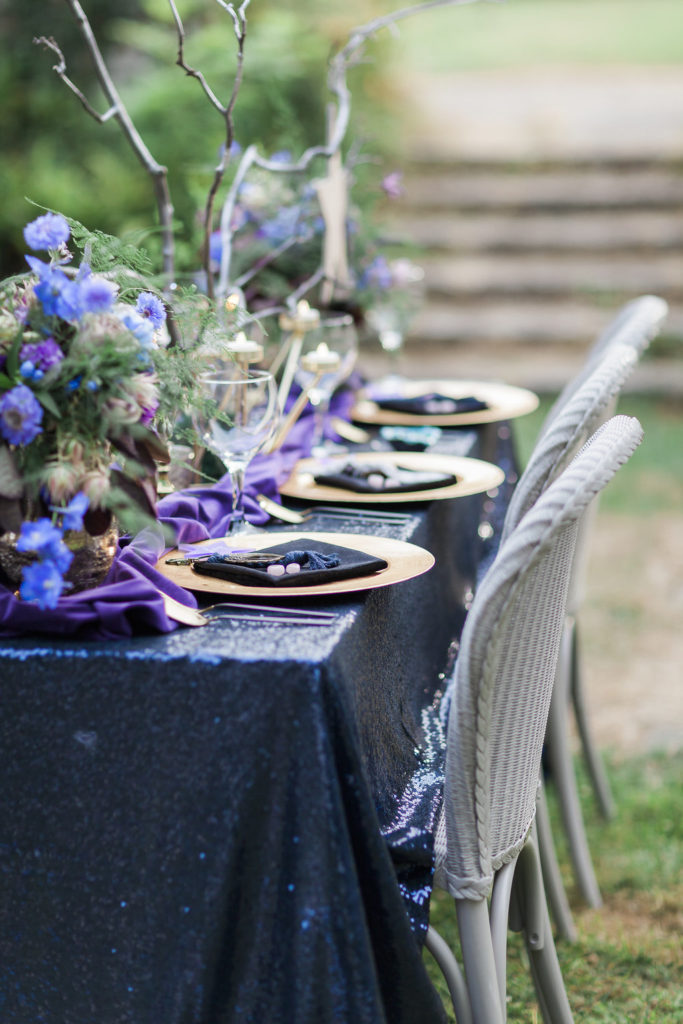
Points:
[(129, 602)]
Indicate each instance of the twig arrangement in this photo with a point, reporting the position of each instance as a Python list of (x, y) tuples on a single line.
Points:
[(347, 57)]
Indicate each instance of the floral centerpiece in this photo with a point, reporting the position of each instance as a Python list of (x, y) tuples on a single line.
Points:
[(78, 398)]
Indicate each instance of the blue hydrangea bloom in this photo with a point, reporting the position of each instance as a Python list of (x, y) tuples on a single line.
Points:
[(47, 231), (20, 415), (42, 582), (72, 514), (96, 295), (151, 307)]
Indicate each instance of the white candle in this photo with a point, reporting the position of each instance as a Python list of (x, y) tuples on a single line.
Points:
[(304, 319), (245, 350), (321, 359)]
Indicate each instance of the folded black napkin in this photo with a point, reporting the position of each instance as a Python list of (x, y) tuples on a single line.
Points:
[(384, 478), (432, 404), (318, 563)]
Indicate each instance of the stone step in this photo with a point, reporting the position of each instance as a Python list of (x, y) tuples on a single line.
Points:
[(529, 322), (537, 190), (475, 277), (606, 231)]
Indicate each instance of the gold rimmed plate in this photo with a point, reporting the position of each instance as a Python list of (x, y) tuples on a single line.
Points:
[(473, 476), (504, 401), (404, 561)]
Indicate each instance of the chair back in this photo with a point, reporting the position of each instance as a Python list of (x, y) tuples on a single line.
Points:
[(505, 670), (583, 413), (635, 325)]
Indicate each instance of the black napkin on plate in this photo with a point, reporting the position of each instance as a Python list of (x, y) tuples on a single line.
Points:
[(432, 404), (384, 478), (349, 564)]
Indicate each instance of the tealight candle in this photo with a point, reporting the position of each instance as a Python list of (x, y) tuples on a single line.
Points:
[(244, 349), (304, 319), (321, 360)]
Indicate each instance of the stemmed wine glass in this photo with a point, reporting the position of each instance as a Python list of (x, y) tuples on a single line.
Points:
[(327, 358), (236, 421)]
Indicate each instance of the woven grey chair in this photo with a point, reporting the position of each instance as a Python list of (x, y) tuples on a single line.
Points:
[(635, 325), (581, 414), (499, 701)]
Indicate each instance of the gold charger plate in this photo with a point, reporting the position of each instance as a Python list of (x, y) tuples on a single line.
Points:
[(473, 477), (505, 402), (404, 562)]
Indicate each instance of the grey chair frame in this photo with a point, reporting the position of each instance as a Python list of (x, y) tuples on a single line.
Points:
[(499, 701)]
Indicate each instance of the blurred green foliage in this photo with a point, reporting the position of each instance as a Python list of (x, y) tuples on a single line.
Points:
[(57, 156)]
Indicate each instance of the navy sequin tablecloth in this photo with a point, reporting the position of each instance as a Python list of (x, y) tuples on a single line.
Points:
[(208, 827)]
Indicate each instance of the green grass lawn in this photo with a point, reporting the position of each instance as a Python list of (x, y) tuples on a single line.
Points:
[(627, 966), (526, 33)]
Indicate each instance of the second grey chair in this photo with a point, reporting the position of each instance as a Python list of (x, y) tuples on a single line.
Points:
[(499, 699)]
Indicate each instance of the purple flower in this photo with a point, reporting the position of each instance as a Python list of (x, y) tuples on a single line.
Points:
[(392, 185), (151, 307), (20, 415), (47, 232), (95, 294), (377, 274), (285, 224), (42, 582), (39, 536), (43, 354), (72, 514)]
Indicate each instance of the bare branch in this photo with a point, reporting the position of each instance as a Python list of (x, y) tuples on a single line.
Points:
[(192, 72), (239, 21), (117, 110), (60, 69)]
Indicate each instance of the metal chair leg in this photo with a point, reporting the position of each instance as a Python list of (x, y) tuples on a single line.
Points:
[(450, 968), (545, 968), (564, 779), (596, 769), (550, 870), (479, 962)]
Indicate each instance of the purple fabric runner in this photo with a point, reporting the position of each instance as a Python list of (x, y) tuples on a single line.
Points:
[(129, 602)]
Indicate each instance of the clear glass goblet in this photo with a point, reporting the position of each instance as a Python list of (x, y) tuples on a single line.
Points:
[(327, 358), (237, 419)]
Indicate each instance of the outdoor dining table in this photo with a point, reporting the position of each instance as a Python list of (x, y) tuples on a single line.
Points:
[(233, 823)]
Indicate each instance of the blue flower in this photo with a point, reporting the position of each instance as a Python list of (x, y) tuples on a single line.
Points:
[(47, 232), (151, 307), (75, 384), (42, 582), (58, 294), (41, 536), (20, 415), (30, 372), (60, 556), (72, 514), (140, 327), (96, 295)]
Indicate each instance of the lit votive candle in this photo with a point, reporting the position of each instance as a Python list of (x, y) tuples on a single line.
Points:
[(304, 319), (321, 360), (244, 349)]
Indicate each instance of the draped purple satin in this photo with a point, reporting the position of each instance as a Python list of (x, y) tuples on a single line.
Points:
[(129, 601)]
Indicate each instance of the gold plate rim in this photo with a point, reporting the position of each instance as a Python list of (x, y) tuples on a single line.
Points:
[(506, 401)]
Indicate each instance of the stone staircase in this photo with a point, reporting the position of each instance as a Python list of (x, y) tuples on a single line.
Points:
[(526, 262)]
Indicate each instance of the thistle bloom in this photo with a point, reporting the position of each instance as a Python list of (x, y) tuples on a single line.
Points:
[(152, 308), (42, 583), (47, 232), (20, 415)]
